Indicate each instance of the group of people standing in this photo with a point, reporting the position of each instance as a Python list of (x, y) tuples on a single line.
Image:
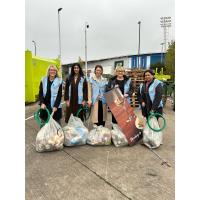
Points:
[(80, 91)]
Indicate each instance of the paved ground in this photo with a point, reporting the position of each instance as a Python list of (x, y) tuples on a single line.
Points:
[(100, 173)]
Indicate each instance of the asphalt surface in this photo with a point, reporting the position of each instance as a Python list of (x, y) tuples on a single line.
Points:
[(100, 172)]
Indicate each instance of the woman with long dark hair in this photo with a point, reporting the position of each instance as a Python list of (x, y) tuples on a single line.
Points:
[(151, 94), (75, 94)]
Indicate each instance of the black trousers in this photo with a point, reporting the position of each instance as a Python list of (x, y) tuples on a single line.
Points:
[(146, 114), (100, 114), (56, 116)]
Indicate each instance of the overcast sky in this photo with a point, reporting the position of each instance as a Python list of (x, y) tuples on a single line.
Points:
[(113, 27)]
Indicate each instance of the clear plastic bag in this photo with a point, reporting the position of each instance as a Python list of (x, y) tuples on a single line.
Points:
[(151, 138), (75, 132), (50, 137), (99, 136), (118, 138)]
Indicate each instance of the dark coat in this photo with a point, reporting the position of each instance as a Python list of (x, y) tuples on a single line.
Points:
[(74, 106), (112, 82), (144, 97), (47, 101)]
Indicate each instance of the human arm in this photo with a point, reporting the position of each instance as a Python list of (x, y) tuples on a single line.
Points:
[(158, 97), (66, 92), (59, 97), (109, 86), (131, 90), (41, 97), (89, 93)]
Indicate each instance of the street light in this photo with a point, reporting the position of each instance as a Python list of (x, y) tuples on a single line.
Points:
[(59, 39), (162, 52), (139, 45), (165, 23), (34, 46), (59, 32), (86, 27)]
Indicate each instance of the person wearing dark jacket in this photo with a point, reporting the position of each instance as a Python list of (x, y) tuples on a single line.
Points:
[(50, 94), (123, 82), (150, 97), (76, 92)]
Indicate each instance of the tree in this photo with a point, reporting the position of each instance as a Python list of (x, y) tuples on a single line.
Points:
[(170, 60)]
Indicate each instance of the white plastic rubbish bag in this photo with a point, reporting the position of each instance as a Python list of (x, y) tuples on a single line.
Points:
[(99, 136), (118, 138), (50, 137), (152, 139), (75, 132)]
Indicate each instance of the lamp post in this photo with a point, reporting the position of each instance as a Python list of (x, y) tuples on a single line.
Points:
[(34, 46), (162, 52), (86, 27), (139, 45), (59, 32), (59, 40), (165, 22)]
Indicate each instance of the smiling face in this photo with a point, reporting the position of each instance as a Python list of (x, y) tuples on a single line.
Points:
[(120, 73), (148, 77), (76, 70), (98, 72), (52, 72)]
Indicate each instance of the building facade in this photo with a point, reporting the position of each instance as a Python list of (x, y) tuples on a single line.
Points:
[(128, 61)]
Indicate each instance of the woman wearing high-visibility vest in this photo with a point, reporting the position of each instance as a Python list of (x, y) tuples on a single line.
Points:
[(50, 94), (96, 98), (75, 94), (150, 94), (123, 82)]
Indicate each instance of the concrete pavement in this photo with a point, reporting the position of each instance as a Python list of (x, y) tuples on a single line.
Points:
[(100, 172)]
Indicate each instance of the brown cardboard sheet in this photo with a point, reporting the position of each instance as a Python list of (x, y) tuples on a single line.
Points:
[(124, 115)]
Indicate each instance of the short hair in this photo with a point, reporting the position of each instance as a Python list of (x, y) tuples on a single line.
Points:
[(119, 68), (98, 66)]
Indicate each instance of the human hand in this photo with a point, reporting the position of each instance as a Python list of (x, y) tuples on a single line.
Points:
[(43, 106), (54, 109), (67, 103), (116, 86), (143, 104), (83, 103), (89, 104)]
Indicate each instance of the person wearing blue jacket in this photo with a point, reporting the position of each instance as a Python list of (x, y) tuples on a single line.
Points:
[(75, 94), (96, 98), (150, 94), (50, 94), (123, 82)]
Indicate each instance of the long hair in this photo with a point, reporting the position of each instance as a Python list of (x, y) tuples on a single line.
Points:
[(72, 70), (52, 66), (150, 71)]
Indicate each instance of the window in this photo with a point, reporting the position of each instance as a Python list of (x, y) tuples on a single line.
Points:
[(119, 63)]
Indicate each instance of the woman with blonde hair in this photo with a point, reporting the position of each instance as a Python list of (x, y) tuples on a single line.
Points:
[(50, 94), (123, 82), (96, 99)]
